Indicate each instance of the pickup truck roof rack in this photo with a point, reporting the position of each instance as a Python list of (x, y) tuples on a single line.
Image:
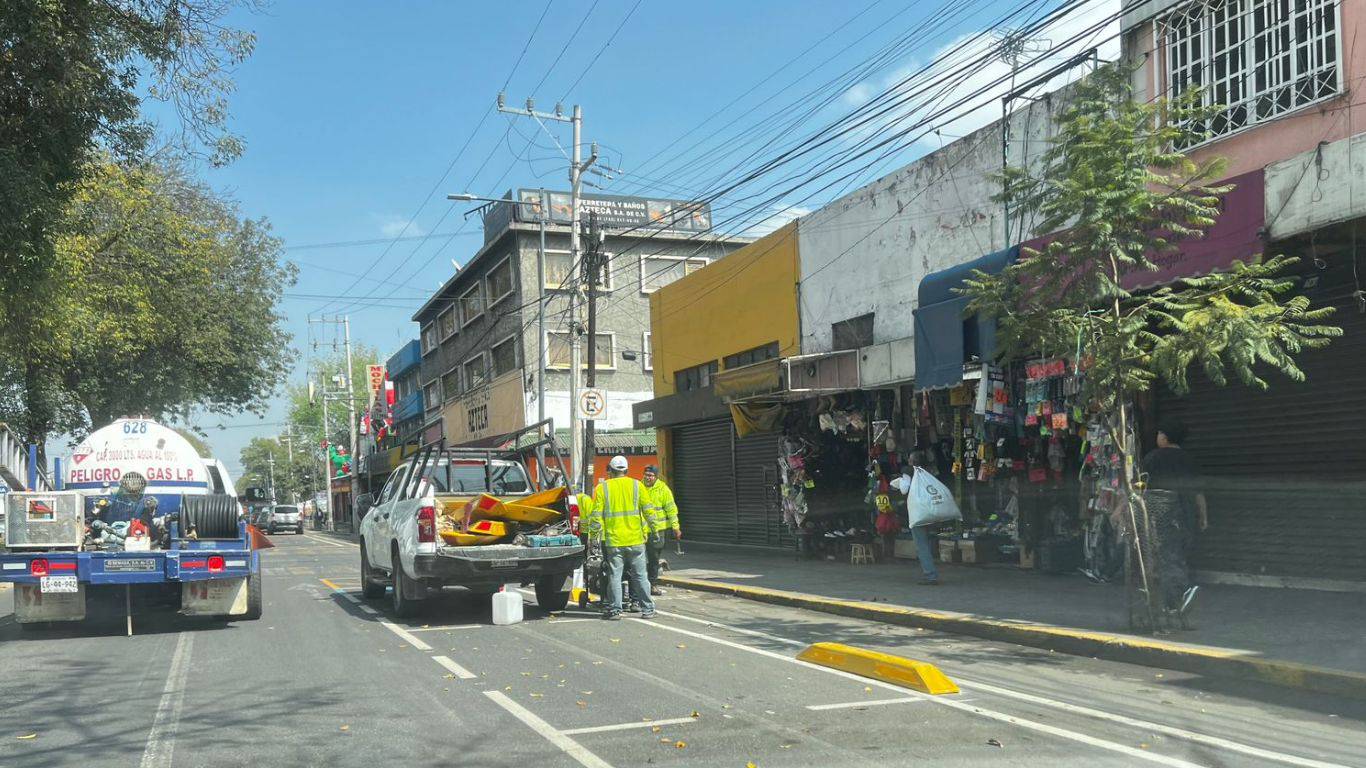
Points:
[(512, 445)]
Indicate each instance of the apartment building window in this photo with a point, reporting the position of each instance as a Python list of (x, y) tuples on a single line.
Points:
[(1255, 59), (696, 377), (447, 322), (852, 333), (429, 340), (476, 372), (647, 362), (450, 383), (658, 271), (557, 349), (500, 281), (759, 354), (471, 304), (431, 396), (504, 355), (557, 264)]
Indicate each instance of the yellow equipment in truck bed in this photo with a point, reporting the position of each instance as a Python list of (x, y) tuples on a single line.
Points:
[(486, 519)]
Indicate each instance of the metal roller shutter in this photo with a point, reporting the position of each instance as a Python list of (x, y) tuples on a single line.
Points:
[(704, 480), (1284, 470), (759, 517)]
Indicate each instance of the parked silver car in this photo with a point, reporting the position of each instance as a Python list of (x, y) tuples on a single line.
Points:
[(284, 517)]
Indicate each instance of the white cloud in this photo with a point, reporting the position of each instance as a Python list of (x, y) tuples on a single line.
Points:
[(778, 215), (960, 66), (858, 95), (393, 226)]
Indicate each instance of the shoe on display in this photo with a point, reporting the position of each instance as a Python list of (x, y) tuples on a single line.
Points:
[(656, 591)]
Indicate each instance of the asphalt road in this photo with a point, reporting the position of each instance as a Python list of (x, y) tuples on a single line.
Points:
[(326, 678)]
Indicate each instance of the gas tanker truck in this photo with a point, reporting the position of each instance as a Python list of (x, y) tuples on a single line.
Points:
[(141, 523)]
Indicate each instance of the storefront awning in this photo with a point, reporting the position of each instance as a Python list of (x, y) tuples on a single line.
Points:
[(944, 338), (762, 378)]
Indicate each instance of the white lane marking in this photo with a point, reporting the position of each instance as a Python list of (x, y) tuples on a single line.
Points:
[(629, 726), (449, 663), (556, 737), (1181, 733), (329, 543), (389, 625), (571, 621), (161, 739), (447, 626), (855, 704), (1081, 738)]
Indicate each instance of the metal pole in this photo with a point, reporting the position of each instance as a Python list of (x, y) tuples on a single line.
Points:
[(270, 462), (592, 261), (540, 312), (326, 443), (575, 351), (350, 389)]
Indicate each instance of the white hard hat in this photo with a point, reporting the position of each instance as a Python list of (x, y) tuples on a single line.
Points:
[(618, 463)]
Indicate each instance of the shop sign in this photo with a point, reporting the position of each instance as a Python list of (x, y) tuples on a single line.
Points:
[(376, 380), (494, 409), (617, 212)]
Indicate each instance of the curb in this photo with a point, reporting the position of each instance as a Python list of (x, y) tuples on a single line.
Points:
[(1130, 649)]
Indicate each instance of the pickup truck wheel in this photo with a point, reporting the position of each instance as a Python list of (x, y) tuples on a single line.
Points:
[(404, 606), (370, 587), (549, 595), (253, 597)]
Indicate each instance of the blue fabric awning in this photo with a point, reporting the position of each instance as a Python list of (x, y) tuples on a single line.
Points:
[(944, 338)]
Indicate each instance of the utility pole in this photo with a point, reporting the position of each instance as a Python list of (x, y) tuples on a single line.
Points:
[(350, 392), (540, 314), (592, 263), (576, 168), (270, 462), (288, 438)]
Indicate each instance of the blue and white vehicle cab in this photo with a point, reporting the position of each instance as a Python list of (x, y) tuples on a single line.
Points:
[(141, 522)]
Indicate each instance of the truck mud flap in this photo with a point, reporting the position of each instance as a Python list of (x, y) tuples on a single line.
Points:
[(31, 605), (214, 597)]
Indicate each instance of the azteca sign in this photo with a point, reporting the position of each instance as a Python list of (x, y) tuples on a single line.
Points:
[(135, 445)]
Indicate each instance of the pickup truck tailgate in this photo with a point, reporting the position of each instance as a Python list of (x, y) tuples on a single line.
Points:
[(498, 562)]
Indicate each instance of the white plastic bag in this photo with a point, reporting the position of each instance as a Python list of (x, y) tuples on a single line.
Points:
[(930, 501)]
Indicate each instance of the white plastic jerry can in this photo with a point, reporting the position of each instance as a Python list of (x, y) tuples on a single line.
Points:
[(507, 607)]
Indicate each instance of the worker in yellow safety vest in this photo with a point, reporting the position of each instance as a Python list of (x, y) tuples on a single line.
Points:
[(663, 515), (619, 519)]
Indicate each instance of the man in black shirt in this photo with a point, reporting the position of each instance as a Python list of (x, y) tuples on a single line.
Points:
[(1177, 509)]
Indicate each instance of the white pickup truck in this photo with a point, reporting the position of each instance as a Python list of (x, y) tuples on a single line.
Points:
[(464, 517)]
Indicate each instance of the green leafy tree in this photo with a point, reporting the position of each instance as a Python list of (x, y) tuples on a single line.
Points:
[(296, 477), (1119, 197), (163, 298), (73, 77), (306, 416)]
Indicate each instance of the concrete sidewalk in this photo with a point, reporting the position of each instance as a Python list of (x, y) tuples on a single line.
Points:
[(1302, 638)]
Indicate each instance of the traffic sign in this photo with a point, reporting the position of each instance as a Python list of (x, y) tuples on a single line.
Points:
[(592, 403)]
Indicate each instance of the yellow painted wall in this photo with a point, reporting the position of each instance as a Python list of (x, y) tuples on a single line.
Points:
[(742, 301)]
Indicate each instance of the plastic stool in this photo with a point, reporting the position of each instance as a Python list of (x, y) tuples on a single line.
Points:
[(859, 554)]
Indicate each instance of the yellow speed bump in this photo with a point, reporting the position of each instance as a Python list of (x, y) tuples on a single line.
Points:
[(909, 673)]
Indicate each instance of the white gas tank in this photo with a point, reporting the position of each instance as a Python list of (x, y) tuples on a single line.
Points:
[(167, 461)]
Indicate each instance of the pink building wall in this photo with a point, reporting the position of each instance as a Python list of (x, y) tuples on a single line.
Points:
[(1296, 132)]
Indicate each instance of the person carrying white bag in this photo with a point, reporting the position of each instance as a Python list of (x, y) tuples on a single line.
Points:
[(928, 503)]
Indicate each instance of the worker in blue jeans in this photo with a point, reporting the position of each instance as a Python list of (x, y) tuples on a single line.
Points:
[(924, 540)]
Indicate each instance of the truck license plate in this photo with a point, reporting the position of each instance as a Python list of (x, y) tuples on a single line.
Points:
[(131, 564), (502, 563), (58, 584)]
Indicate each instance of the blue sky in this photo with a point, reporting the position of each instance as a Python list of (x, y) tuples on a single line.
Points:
[(352, 112)]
